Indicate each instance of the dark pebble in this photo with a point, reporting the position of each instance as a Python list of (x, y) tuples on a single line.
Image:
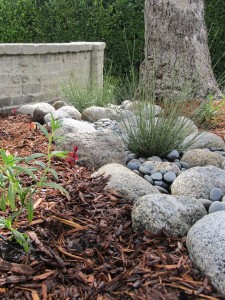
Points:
[(161, 190), (216, 194), (169, 176), (154, 158), (148, 178), (157, 176), (184, 164), (174, 154), (133, 166), (148, 165), (144, 170), (178, 164), (216, 206)]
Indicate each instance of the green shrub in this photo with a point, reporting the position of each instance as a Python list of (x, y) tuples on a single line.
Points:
[(18, 21), (120, 23), (215, 21)]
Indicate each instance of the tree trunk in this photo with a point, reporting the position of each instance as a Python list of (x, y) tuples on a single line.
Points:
[(177, 57)]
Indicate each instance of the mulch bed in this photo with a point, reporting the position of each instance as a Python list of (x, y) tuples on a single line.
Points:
[(85, 248)]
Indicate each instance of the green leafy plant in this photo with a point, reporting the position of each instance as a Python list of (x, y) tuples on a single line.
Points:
[(14, 192)]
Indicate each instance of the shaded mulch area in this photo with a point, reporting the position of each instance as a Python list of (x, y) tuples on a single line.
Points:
[(84, 248)]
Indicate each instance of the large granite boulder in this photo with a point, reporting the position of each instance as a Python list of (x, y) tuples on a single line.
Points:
[(174, 214), (147, 109), (95, 148), (167, 166), (198, 182), (59, 104), (95, 113), (126, 182), (188, 123), (72, 111), (206, 246), (57, 115), (203, 157), (70, 126), (205, 140), (43, 109)]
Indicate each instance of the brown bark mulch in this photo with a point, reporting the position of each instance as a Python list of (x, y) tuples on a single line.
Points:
[(85, 248)]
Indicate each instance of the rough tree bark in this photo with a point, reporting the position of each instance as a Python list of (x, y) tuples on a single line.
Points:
[(176, 49)]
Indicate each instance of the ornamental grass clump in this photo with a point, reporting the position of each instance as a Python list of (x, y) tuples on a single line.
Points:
[(148, 133), (16, 196), (84, 95)]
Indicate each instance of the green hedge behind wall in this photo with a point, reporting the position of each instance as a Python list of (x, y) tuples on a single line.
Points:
[(215, 20), (120, 23)]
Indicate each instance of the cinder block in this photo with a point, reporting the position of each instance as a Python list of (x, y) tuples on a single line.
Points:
[(46, 58), (31, 88), (17, 78), (29, 49), (53, 67), (11, 90), (23, 99), (12, 49), (5, 101)]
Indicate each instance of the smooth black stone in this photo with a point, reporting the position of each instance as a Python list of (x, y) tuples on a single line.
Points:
[(216, 194), (163, 171), (216, 206), (161, 190), (184, 164), (133, 166), (162, 184), (174, 154), (148, 178), (154, 158), (148, 165), (169, 176), (144, 170), (178, 164), (157, 176)]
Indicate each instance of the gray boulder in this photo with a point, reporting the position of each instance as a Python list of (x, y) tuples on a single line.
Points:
[(206, 246), (72, 111), (148, 109), (174, 214), (70, 126), (126, 182), (205, 140), (28, 109), (166, 166), (95, 113), (198, 182), (188, 123), (57, 115), (59, 104), (41, 111), (203, 157), (96, 148)]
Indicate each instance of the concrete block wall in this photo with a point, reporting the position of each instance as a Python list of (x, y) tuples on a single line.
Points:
[(33, 72)]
